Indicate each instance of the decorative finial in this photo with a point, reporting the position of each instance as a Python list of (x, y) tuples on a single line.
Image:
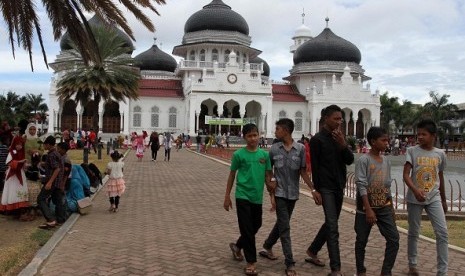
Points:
[(303, 16), (155, 41), (327, 21)]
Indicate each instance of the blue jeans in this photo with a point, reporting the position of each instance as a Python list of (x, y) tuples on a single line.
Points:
[(387, 228), (282, 229), (438, 220), (329, 231), (249, 217), (59, 200)]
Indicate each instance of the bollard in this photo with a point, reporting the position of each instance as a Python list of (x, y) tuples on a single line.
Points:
[(85, 157), (108, 147), (99, 151)]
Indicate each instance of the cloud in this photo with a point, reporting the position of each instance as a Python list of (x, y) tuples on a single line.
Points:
[(408, 47)]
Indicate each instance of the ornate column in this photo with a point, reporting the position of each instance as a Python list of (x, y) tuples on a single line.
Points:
[(269, 117)]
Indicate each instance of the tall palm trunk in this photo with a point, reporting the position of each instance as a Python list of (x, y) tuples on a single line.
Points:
[(95, 107)]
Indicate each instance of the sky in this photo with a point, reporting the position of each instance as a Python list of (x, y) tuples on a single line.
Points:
[(408, 47)]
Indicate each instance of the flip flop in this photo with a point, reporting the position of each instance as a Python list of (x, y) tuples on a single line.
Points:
[(266, 254), (236, 252), (47, 226), (315, 261), (250, 271), (290, 272)]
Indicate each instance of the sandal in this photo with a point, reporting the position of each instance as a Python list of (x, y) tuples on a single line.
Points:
[(290, 271), (313, 259), (268, 255), (250, 271), (236, 252), (47, 226)]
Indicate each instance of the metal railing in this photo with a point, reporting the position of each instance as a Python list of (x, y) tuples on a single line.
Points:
[(454, 195)]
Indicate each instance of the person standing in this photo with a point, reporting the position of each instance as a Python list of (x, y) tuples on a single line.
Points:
[(198, 141), (116, 185), (330, 155), (374, 202), (253, 169), (154, 144), (54, 171), (288, 161), (424, 176), (168, 144)]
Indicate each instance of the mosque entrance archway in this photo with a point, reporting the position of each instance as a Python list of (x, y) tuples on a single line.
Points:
[(69, 116), (111, 118)]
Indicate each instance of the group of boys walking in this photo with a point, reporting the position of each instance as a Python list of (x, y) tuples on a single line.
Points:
[(282, 167)]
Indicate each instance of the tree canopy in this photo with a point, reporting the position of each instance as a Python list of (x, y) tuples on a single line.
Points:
[(22, 20)]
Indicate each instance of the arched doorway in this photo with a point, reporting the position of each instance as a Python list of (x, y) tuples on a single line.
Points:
[(208, 107), (231, 109), (88, 116), (111, 118), (69, 116)]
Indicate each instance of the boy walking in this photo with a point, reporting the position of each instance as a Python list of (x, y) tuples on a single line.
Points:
[(253, 169), (424, 176), (374, 202), (288, 161)]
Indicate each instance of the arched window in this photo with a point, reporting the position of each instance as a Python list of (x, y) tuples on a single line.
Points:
[(282, 114), (137, 116), (226, 55), (192, 55), (172, 117), (214, 55), (298, 121), (155, 118), (202, 55), (244, 58), (238, 56)]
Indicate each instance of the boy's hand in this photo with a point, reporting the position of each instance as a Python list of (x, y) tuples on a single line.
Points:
[(273, 203), (420, 195), (370, 216), (316, 197), (227, 203)]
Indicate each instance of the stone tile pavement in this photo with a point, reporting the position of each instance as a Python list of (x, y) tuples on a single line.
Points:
[(171, 222)]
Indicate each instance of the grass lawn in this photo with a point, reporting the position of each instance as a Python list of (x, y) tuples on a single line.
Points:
[(19, 241), (456, 230)]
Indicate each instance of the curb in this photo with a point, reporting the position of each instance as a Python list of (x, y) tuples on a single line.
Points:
[(347, 209), (44, 252)]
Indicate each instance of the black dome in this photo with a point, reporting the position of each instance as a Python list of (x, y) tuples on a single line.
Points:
[(156, 60), (95, 21), (216, 16), (266, 67), (327, 46)]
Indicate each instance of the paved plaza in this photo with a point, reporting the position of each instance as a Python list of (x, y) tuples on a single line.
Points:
[(172, 222)]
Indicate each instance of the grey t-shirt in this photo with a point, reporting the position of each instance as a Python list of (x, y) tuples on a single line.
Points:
[(426, 164), (287, 167), (373, 178)]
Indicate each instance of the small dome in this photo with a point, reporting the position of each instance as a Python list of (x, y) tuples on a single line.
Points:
[(303, 31), (216, 16), (266, 67), (155, 59), (327, 46), (95, 21)]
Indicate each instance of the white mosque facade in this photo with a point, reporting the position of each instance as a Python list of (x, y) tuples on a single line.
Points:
[(221, 83)]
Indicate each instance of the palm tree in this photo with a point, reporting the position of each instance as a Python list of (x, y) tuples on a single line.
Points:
[(389, 108), (36, 103), (21, 18), (112, 78), (439, 107)]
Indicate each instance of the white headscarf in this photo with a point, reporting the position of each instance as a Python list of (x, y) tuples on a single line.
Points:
[(28, 135)]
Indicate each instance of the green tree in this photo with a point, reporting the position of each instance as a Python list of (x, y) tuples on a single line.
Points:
[(21, 18), (439, 109), (389, 110), (112, 78)]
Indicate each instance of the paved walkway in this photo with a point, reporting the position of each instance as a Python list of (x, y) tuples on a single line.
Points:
[(172, 222)]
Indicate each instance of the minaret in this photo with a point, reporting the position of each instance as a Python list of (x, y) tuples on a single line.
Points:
[(302, 34)]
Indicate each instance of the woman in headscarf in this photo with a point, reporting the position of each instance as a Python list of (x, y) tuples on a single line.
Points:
[(15, 193), (32, 143), (78, 184)]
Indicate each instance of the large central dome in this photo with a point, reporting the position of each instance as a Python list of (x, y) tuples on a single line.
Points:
[(216, 16), (327, 47)]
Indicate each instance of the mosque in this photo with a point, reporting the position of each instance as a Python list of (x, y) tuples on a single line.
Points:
[(221, 83)]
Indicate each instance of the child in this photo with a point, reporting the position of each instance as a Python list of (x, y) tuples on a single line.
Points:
[(374, 201), (423, 174), (252, 165), (115, 184), (140, 147)]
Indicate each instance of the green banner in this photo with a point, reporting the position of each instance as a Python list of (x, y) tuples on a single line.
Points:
[(209, 120)]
